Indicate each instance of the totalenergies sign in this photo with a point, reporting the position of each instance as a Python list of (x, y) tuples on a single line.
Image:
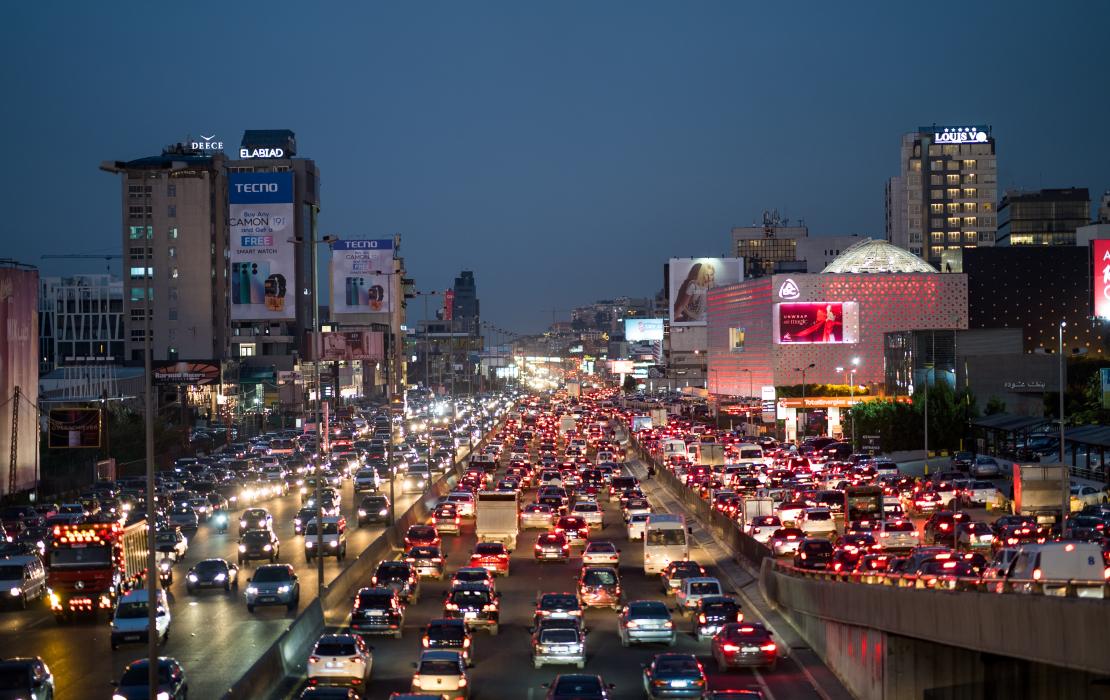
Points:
[(1101, 285)]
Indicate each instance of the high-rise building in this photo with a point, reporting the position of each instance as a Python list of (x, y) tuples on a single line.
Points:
[(1043, 217), (763, 245), (218, 246), (1104, 208), (80, 321), (943, 197), (19, 376), (174, 213), (464, 304)]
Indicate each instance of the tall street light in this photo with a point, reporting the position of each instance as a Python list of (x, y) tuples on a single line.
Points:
[(389, 394), (748, 404), (321, 438), (852, 398), (803, 370)]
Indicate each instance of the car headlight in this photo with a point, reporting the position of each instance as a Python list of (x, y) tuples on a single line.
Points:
[(242, 548), (383, 511), (310, 543), (251, 590), (266, 548), (117, 696), (242, 523), (15, 591), (193, 578), (163, 695), (361, 513), (283, 589), (333, 543)]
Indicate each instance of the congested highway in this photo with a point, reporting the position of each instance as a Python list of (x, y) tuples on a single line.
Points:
[(212, 633), (503, 664)]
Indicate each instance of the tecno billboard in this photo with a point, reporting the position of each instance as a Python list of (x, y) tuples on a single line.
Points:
[(263, 267), (643, 329), (817, 322), (690, 280), (357, 283), (1101, 281)]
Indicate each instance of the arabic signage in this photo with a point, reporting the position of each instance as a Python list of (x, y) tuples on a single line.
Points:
[(767, 399), (837, 401), (357, 283), (263, 270), (820, 322), (194, 373), (1101, 280)]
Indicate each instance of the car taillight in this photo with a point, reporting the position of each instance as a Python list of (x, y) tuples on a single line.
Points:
[(768, 647), (424, 642), (355, 658), (1036, 574), (314, 659), (729, 647)]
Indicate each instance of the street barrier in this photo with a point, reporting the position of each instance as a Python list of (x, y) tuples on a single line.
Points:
[(285, 658)]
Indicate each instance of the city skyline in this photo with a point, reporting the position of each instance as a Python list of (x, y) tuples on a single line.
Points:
[(536, 146)]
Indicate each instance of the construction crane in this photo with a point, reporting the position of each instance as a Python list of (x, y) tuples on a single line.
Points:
[(106, 257)]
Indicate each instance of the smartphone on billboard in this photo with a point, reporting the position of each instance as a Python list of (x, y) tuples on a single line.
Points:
[(363, 292), (352, 291), (240, 283), (259, 273)]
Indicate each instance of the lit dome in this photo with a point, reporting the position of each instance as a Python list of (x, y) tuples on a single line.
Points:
[(877, 256)]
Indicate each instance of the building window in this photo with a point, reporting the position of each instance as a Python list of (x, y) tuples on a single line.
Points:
[(173, 232), (172, 313), (173, 293), (171, 334), (171, 211), (952, 179), (171, 251), (139, 252), (970, 207), (139, 211), (173, 273), (138, 334), (969, 221), (986, 236), (137, 293), (936, 208), (970, 193), (138, 190), (137, 272), (247, 349), (136, 232), (138, 314), (953, 236), (171, 190), (969, 164), (988, 206), (953, 192), (971, 236), (937, 236)]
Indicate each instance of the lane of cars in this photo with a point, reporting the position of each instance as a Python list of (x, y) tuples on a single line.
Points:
[(211, 616), (457, 617)]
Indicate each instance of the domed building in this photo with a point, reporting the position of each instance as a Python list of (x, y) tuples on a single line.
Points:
[(763, 332)]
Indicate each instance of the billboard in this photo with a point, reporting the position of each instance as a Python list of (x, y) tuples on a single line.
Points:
[(357, 285), (195, 373), (690, 280), (621, 366), (263, 258), (818, 322), (1101, 280), (643, 329), (736, 337), (19, 368), (1104, 380), (73, 428), (767, 404), (352, 345)]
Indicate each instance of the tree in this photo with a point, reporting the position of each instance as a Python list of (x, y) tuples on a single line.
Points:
[(629, 385), (994, 406)]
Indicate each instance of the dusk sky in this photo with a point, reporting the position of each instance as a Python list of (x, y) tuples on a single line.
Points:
[(561, 150)]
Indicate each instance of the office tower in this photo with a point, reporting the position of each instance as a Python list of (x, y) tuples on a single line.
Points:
[(1042, 217), (80, 321)]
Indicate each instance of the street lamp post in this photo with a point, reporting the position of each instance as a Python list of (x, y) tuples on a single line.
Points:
[(803, 370), (852, 398), (317, 348), (1063, 386)]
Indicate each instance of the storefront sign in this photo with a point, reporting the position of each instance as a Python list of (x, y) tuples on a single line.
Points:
[(261, 153), (789, 290), (195, 373), (207, 143)]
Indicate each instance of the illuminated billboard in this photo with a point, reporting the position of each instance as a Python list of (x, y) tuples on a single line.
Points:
[(1102, 277), (358, 285), (690, 281), (643, 329), (820, 322), (263, 269), (74, 428)]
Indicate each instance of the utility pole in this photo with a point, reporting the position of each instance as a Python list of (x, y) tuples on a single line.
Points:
[(803, 370)]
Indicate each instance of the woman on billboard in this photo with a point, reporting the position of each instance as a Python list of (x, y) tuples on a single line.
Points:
[(827, 323), (690, 304)]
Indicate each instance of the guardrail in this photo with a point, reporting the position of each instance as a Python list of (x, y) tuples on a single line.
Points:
[(1063, 588), (287, 655)]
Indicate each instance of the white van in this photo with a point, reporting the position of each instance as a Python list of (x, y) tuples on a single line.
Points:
[(22, 579), (1051, 566), (752, 453), (129, 623)]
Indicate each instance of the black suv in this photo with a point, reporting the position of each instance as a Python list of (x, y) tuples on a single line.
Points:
[(474, 605), (401, 577), (378, 611), (712, 613), (814, 553), (452, 635), (258, 544)]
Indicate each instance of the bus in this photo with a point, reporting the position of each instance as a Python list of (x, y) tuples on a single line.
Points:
[(863, 503), (664, 541)]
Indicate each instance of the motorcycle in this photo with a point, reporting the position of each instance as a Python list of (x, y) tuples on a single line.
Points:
[(165, 572), (220, 519)]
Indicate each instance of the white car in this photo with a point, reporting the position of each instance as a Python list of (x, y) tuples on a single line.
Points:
[(129, 623), (601, 552), (694, 589), (636, 526), (984, 467), (1085, 495), (341, 657), (536, 515), (763, 526), (464, 503), (817, 522), (790, 511), (590, 512), (979, 493), (441, 671)]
